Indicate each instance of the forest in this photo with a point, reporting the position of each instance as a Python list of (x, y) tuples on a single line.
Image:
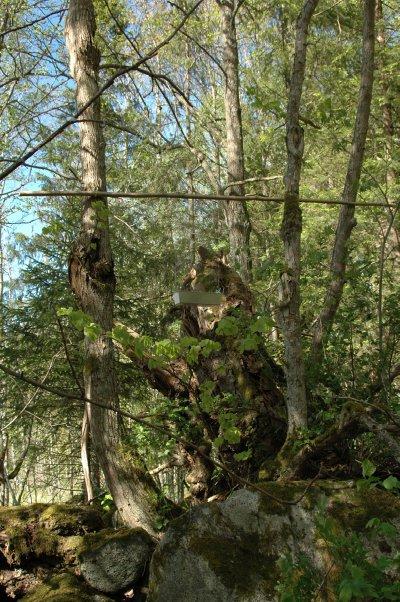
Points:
[(199, 300)]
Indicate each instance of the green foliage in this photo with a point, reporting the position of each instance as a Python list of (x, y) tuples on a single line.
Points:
[(106, 501), (356, 575), (227, 327), (82, 322), (359, 577), (298, 581), (391, 483), (120, 334)]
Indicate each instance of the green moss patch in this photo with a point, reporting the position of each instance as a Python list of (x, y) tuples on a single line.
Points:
[(239, 565), (71, 520), (65, 587)]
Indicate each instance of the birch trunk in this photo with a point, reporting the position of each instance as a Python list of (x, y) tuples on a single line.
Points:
[(236, 213), (289, 294), (92, 279), (347, 221)]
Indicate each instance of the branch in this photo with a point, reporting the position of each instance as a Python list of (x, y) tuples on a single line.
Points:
[(255, 179), (9, 170), (169, 379), (195, 196), (25, 25), (355, 419), (141, 419)]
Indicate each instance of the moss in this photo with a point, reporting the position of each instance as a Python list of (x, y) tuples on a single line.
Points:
[(32, 531), (69, 547), (65, 587), (18, 524), (20, 515), (238, 565), (71, 520), (94, 541), (44, 543), (353, 508), (287, 492)]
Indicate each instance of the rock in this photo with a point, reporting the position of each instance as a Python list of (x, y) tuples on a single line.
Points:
[(14, 584), (229, 551), (35, 531), (66, 519), (113, 561), (64, 587)]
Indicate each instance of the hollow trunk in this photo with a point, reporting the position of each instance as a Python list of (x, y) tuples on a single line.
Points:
[(248, 382)]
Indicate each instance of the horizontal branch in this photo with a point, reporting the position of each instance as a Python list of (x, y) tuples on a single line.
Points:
[(248, 180), (194, 196)]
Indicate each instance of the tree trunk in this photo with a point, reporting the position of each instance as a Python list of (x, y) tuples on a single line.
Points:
[(250, 379), (92, 279), (236, 213), (388, 124), (289, 294), (346, 221), (85, 454)]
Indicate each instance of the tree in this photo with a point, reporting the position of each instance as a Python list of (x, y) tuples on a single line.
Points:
[(237, 216), (92, 279), (346, 221), (289, 301)]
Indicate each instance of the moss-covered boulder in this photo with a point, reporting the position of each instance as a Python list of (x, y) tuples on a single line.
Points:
[(38, 531), (66, 519), (252, 548), (64, 587), (113, 561)]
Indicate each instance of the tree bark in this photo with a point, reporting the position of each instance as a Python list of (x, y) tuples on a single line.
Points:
[(85, 454), (346, 221), (92, 279), (251, 378), (289, 293), (236, 213), (388, 111)]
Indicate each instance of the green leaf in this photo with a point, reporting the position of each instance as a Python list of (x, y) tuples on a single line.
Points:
[(207, 347), (186, 342), (368, 468), (243, 456), (167, 349), (192, 355), (92, 331), (373, 522), (262, 324), (232, 435), (155, 362), (142, 345), (388, 530), (120, 334), (391, 483), (227, 327), (250, 343), (218, 442)]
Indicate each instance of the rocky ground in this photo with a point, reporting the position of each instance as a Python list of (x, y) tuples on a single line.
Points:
[(226, 551)]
